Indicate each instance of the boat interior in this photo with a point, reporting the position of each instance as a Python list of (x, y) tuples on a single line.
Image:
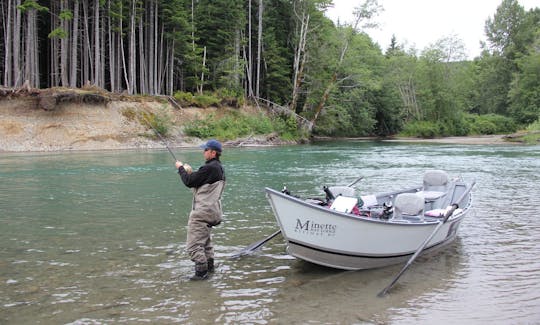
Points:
[(419, 204)]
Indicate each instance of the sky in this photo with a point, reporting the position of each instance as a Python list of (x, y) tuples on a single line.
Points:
[(420, 23)]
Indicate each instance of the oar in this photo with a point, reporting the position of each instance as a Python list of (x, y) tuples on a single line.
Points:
[(355, 181), (255, 245), (251, 248), (423, 245)]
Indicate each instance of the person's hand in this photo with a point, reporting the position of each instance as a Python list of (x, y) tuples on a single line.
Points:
[(188, 168), (178, 164)]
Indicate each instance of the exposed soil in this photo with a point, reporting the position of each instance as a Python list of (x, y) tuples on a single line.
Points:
[(58, 120)]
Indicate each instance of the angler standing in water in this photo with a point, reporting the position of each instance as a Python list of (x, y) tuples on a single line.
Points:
[(207, 183)]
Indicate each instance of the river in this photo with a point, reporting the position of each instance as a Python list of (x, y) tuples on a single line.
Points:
[(98, 238)]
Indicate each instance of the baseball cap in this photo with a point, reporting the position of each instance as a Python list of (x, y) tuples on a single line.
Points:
[(212, 144)]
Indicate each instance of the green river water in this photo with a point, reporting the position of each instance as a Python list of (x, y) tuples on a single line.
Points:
[(98, 238)]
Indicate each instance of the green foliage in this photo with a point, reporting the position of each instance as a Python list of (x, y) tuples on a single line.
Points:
[(422, 129), (32, 4), (533, 133), (205, 101), (489, 124), (535, 126), (286, 127), (217, 23), (531, 138), (159, 121), (236, 125), (184, 98), (66, 15), (230, 97), (363, 91), (58, 33), (525, 89), (468, 124)]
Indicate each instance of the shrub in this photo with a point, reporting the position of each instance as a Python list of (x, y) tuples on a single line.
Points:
[(535, 126), (157, 122), (237, 125), (422, 129), (490, 124), (230, 97), (205, 101), (227, 97), (185, 99)]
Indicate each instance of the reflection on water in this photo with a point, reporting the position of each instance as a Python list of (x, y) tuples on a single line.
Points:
[(90, 238)]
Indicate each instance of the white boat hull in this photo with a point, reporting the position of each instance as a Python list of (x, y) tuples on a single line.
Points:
[(345, 241)]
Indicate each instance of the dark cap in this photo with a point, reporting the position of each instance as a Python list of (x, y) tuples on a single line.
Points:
[(212, 144)]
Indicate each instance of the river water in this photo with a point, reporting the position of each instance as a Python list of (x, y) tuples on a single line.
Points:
[(98, 238)]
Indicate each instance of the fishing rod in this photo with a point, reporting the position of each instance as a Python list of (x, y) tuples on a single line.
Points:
[(161, 137)]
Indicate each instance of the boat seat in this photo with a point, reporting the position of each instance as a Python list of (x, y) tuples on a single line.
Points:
[(436, 181), (342, 191), (436, 184), (409, 206)]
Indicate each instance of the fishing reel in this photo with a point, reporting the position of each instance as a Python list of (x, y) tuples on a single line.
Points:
[(329, 195), (285, 190), (388, 210)]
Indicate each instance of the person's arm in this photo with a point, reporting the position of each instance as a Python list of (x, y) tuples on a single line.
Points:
[(194, 179)]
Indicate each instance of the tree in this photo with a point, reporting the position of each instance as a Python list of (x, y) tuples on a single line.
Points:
[(497, 62), (502, 29), (217, 23), (363, 14), (524, 93)]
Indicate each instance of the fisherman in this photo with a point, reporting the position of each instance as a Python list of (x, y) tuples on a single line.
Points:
[(207, 183)]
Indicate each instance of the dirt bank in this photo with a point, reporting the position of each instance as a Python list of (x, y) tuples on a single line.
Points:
[(41, 121), (60, 120), (26, 126)]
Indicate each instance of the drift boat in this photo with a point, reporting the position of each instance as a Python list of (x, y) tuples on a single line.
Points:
[(351, 232)]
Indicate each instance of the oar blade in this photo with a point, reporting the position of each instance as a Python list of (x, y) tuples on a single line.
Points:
[(254, 246), (423, 245)]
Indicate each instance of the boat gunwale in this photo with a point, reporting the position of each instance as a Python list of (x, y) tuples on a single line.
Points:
[(427, 222)]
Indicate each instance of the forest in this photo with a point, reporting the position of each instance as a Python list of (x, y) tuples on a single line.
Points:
[(285, 52)]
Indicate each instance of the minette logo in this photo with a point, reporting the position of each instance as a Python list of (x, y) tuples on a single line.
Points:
[(309, 227)]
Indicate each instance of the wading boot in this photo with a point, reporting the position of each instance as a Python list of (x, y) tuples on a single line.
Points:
[(211, 268), (201, 272)]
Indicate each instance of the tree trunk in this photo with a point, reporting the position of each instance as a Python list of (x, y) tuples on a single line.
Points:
[(161, 64), (54, 78), (112, 47), (202, 73), (132, 69), (249, 62), (122, 55), (86, 63), (97, 46), (31, 65), (143, 76), (259, 48), (299, 61), (8, 69), (74, 45), (152, 55), (64, 48), (17, 46), (171, 69)]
